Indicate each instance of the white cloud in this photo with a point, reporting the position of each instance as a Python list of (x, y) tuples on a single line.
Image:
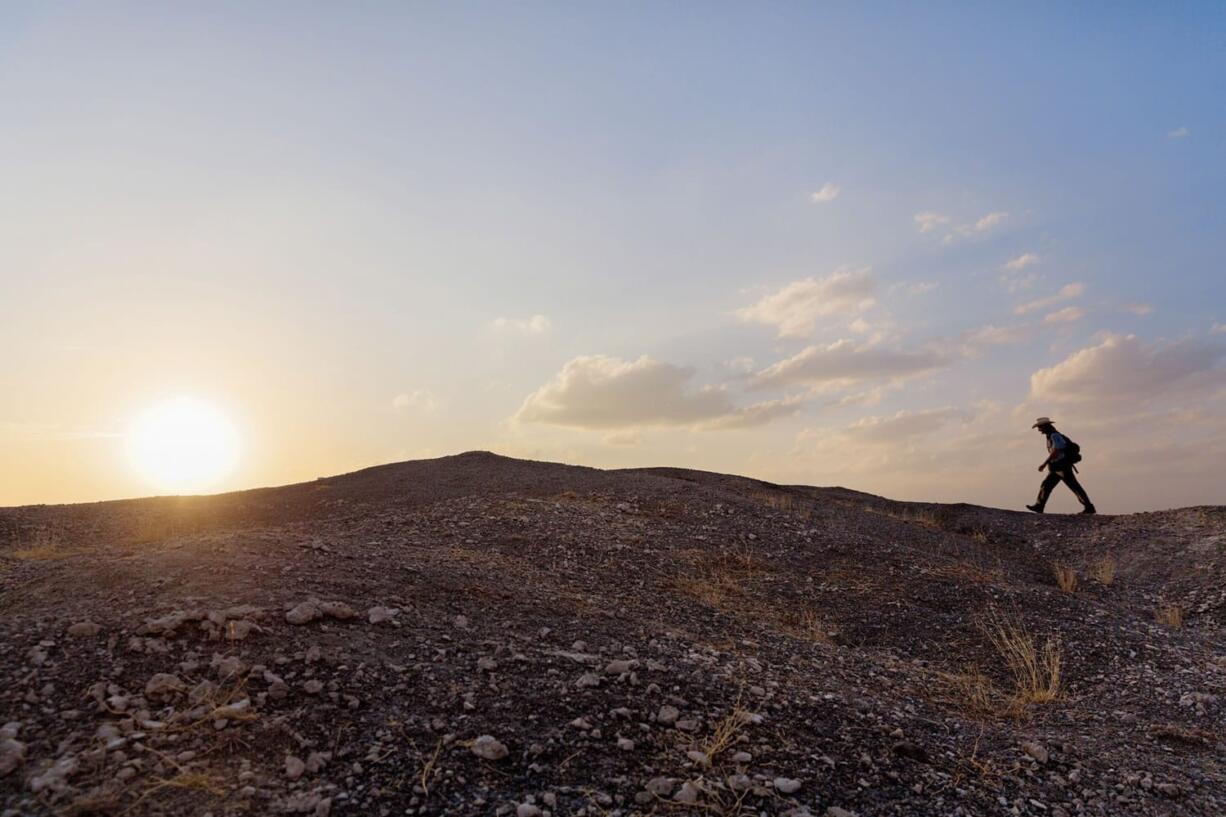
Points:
[(903, 425), (990, 220), (1218, 329), (796, 308), (1178, 133), (845, 363), (973, 342), (422, 400), (1066, 293), (1124, 370), (1067, 315), (1026, 259), (829, 192), (982, 225), (929, 221), (602, 392), (532, 325), (1139, 309)]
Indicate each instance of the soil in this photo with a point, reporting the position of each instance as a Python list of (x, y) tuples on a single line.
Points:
[(478, 635)]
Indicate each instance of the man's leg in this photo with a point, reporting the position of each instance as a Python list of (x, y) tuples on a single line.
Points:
[(1049, 482), (1070, 479)]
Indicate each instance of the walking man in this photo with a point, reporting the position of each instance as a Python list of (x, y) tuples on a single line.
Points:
[(1062, 456)]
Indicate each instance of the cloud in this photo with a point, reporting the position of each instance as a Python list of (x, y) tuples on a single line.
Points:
[(1178, 133), (1067, 315), (845, 363), (829, 192), (602, 392), (1067, 292), (52, 431), (533, 325), (422, 400), (982, 225), (1124, 370), (796, 308), (903, 426), (929, 221), (1218, 329), (1139, 309), (1026, 259), (976, 340)]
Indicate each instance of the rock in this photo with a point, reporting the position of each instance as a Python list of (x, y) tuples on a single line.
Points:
[(486, 664), (787, 785), (668, 715), (660, 786), (742, 757), (234, 711), (338, 610), (527, 810), (163, 683), (588, 679), (687, 794), (378, 615), (55, 779), (625, 744), (294, 767), (83, 629), (304, 613), (914, 751), (202, 692), (317, 760), (835, 811), (620, 667), (227, 666), (312, 686), (460, 622), (1035, 750), (739, 782), (12, 754), (238, 630), (489, 748), (700, 757)]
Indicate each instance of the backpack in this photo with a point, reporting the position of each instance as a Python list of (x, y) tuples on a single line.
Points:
[(1072, 452)]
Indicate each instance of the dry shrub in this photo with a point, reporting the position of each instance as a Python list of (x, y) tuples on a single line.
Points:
[(1169, 615), (975, 693), (970, 572), (717, 576), (805, 624), (1104, 571), (43, 553), (1066, 577), (726, 730), (1035, 669)]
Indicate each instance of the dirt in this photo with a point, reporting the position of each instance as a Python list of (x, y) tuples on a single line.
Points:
[(537, 639)]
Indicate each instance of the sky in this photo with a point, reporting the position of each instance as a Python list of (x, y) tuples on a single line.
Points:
[(857, 244)]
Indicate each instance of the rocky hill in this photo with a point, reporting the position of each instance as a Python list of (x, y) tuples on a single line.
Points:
[(477, 635)]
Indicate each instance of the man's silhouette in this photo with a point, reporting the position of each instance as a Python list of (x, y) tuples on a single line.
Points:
[(1059, 467)]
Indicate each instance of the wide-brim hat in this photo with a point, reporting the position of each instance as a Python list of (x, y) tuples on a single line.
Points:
[(1042, 421)]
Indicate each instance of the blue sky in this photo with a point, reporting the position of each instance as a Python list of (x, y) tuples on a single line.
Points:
[(388, 230)]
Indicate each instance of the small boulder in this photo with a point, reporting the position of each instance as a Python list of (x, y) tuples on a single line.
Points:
[(489, 748), (84, 629), (338, 610), (294, 767), (163, 683), (378, 615), (304, 613), (787, 785)]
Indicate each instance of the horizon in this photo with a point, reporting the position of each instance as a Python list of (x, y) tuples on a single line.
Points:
[(860, 245)]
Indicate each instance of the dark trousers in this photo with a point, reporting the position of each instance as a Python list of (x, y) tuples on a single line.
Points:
[(1053, 478)]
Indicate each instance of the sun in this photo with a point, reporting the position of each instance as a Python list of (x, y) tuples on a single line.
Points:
[(183, 444)]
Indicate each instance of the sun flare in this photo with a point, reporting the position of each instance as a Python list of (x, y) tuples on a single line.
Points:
[(183, 444)]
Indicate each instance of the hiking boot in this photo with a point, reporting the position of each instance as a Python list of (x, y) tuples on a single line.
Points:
[(1087, 509), (1035, 508)]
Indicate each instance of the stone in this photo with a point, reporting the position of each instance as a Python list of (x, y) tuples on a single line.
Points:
[(1035, 750), (84, 629), (294, 767), (163, 683), (625, 744), (238, 630), (835, 811), (527, 810), (489, 748), (317, 760), (337, 610), (304, 613), (687, 794), (588, 679), (486, 664), (787, 785), (12, 754), (739, 782), (378, 615), (313, 686), (700, 757), (620, 666), (668, 715), (660, 786), (742, 757)]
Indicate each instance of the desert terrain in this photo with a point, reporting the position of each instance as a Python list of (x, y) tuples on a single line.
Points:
[(478, 635)]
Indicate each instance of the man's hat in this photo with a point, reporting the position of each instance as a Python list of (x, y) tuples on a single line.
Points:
[(1042, 421)]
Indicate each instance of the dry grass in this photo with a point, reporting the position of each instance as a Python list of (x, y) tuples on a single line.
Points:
[(430, 768), (1169, 615), (1066, 577), (1104, 571), (726, 731), (975, 693), (970, 572), (1035, 669), (43, 553), (807, 625), (717, 576)]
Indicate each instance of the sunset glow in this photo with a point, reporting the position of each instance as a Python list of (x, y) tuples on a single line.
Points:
[(183, 445)]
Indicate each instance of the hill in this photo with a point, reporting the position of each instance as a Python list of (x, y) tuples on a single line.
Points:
[(477, 635)]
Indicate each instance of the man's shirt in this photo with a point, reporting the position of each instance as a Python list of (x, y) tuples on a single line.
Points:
[(1056, 442)]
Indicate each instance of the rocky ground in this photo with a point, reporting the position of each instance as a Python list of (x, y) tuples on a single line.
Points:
[(477, 635)]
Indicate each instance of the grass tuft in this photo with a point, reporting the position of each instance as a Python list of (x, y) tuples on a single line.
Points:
[(1104, 571), (1169, 615), (1066, 577)]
